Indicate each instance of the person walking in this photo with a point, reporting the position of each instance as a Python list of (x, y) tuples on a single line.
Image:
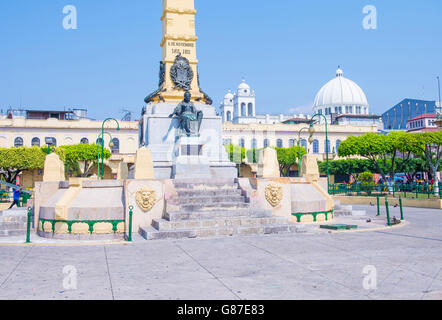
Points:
[(16, 198)]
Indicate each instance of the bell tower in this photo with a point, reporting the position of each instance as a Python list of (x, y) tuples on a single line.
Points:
[(179, 65)]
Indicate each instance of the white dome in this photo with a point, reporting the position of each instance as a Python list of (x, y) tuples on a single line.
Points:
[(229, 96), (340, 92), (244, 85)]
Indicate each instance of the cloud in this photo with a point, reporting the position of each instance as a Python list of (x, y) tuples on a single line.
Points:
[(306, 109)]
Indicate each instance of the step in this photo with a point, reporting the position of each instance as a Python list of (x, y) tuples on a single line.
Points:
[(214, 206), (12, 225), (208, 193), (204, 200), (213, 214), (14, 212), (13, 219), (342, 213), (12, 233), (165, 225), (149, 233)]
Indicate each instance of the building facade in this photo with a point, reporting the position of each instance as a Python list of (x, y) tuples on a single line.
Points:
[(19, 131), (396, 118), (423, 123), (240, 108)]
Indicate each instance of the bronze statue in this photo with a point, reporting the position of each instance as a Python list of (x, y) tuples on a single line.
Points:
[(190, 118)]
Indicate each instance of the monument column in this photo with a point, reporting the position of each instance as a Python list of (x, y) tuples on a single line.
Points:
[(178, 45)]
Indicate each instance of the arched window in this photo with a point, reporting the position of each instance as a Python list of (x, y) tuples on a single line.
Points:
[(35, 142), (250, 107), (243, 109), (266, 143), (53, 141), (229, 116), (116, 147), (254, 143), (304, 144), (279, 143), (227, 142), (242, 143), (18, 142), (99, 140), (84, 141), (338, 142), (315, 146), (292, 143), (327, 146)]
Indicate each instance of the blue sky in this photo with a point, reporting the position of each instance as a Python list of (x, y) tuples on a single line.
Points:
[(286, 50)]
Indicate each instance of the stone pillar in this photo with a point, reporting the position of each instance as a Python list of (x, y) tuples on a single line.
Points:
[(54, 169), (123, 171), (310, 167), (144, 165), (268, 166)]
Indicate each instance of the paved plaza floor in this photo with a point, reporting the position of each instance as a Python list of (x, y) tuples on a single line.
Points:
[(403, 263)]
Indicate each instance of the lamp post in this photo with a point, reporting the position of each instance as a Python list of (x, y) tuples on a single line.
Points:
[(327, 144), (299, 151), (440, 105), (111, 145), (102, 143), (49, 142)]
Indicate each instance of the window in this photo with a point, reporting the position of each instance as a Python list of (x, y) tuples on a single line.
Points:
[(320, 111), (304, 144), (243, 109), (54, 141), (327, 146), (229, 116), (116, 147), (338, 143), (254, 143), (35, 142), (227, 142), (99, 141), (279, 143), (266, 143), (315, 146), (292, 143), (18, 142), (250, 107), (242, 143), (84, 141)]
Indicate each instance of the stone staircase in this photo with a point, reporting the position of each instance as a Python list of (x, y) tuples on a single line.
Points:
[(214, 208), (13, 222), (347, 210)]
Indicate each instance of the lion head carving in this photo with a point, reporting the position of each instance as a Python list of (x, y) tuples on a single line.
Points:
[(274, 194), (146, 198)]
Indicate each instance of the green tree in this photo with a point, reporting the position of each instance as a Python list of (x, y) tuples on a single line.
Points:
[(236, 154), (429, 147), (253, 155), (366, 178), (82, 158), (350, 167), (13, 161), (287, 157), (389, 153)]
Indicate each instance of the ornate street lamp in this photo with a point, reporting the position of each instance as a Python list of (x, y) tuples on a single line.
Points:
[(102, 143), (299, 151), (327, 144), (111, 145), (49, 142)]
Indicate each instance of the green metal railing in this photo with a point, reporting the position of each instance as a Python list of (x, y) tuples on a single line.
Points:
[(417, 191)]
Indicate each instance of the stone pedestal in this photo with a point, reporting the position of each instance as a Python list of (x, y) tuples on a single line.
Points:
[(160, 134), (192, 160), (268, 166)]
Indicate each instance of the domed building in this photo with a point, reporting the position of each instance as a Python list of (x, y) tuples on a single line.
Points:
[(342, 101)]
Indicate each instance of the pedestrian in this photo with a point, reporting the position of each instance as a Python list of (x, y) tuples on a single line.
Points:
[(16, 198)]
